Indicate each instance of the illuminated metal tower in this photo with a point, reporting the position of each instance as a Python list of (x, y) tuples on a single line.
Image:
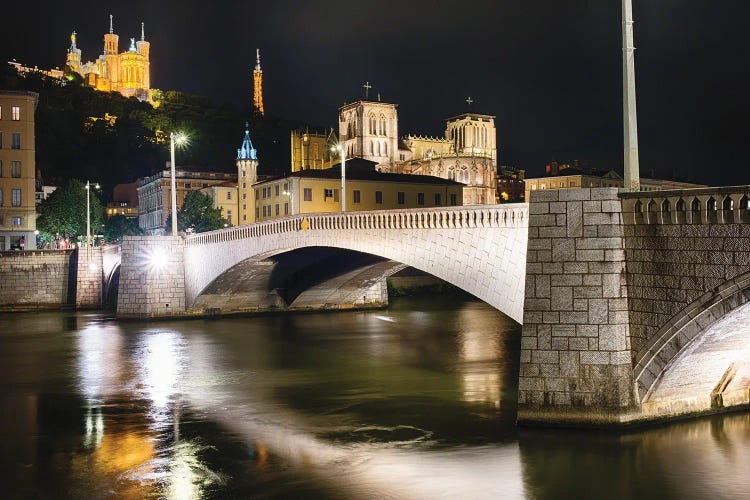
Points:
[(258, 85), (632, 171)]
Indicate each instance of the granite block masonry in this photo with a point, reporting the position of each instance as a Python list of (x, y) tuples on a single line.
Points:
[(575, 349), (152, 277)]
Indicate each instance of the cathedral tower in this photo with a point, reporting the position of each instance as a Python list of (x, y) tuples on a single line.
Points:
[(247, 175), (74, 54), (258, 85)]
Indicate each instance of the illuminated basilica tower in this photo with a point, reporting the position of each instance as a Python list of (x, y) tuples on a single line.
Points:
[(258, 85), (128, 73)]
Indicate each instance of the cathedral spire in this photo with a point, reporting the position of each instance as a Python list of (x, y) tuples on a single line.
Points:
[(258, 85), (111, 30), (73, 41), (143, 32)]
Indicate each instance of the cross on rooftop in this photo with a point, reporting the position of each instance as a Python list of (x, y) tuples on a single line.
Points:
[(367, 88), (469, 101)]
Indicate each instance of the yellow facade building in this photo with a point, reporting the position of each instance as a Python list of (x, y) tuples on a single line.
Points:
[(128, 73), (319, 191), (224, 196), (311, 150), (17, 169)]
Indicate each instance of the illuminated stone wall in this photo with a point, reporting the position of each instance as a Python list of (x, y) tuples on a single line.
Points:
[(575, 350), (51, 279), (152, 277)]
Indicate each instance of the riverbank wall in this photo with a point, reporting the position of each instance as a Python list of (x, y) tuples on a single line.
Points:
[(51, 279)]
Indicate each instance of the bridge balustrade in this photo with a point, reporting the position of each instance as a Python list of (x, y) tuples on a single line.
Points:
[(510, 215), (726, 205)]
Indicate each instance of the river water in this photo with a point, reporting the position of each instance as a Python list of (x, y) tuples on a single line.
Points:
[(416, 401)]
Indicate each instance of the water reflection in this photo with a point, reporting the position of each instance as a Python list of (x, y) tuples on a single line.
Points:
[(347, 405)]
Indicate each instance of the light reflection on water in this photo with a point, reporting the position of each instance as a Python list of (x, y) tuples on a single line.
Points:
[(347, 405)]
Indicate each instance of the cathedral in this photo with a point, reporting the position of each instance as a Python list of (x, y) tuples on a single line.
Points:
[(467, 154), (125, 72)]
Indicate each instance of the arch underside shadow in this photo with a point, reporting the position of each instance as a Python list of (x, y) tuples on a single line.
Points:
[(310, 278), (700, 361)]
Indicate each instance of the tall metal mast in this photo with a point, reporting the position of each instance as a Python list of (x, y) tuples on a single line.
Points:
[(632, 170)]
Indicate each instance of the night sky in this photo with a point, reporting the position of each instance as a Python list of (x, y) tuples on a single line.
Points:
[(550, 71)]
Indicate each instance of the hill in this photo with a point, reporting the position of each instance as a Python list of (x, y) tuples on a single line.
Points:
[(107, 138)]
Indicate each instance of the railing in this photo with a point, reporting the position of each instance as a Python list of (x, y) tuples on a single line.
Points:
[(482, 216), (726, 205)]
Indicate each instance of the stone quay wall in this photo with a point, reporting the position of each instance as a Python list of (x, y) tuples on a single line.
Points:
[(576, 361), (50, 279), (152, 277)]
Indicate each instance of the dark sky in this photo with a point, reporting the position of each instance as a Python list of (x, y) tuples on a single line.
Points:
[(549, 70)]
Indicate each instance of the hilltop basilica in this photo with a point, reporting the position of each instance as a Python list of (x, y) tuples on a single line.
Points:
[(125, 72)]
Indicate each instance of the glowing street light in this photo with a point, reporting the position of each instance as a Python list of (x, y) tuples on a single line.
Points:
[(342, 151), (179, 139), (88, 211)]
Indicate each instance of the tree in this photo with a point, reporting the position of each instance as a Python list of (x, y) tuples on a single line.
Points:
[(118, 226), (63, 213), (197, 214)]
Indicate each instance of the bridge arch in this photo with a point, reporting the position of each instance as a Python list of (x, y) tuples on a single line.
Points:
[(698, 354), (481, 250)]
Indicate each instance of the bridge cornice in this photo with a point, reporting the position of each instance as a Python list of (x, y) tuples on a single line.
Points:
[(472, 216)]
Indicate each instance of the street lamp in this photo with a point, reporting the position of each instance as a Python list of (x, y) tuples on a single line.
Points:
[(88, 211), (175, 138), (290, 194), (342, 151)]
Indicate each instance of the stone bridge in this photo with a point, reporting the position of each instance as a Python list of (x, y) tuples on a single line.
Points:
[(479, 249), (634, 306)]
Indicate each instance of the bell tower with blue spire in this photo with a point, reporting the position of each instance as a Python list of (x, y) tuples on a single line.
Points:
[(247, 175)]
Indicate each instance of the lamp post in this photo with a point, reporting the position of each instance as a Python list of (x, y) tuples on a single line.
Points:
[(342, 151), (632, 171), (175, 138), (290, 194), (88, 211)]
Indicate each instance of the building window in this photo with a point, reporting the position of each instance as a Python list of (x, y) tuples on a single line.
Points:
[(327, 193), (307, 194), (15, 140), (420, 198), (257, 213), (15, 169), (229, 195), (244, 185), (438, 200), (286, 208), (256, 194), (1, 139), (1, 168), (316, 153), (244, 217), (16, 221), (286, 186), (277, 209), (1, 199), (188, 185), (277, 190), (401, 197), (15, 198), (533, 187), (244, 196), (402, 157), (356, 195), (229, 217), (379, 197), (454, 200), (15, 113)]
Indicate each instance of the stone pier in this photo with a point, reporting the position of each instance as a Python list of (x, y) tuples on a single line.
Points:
[(575, 349)]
